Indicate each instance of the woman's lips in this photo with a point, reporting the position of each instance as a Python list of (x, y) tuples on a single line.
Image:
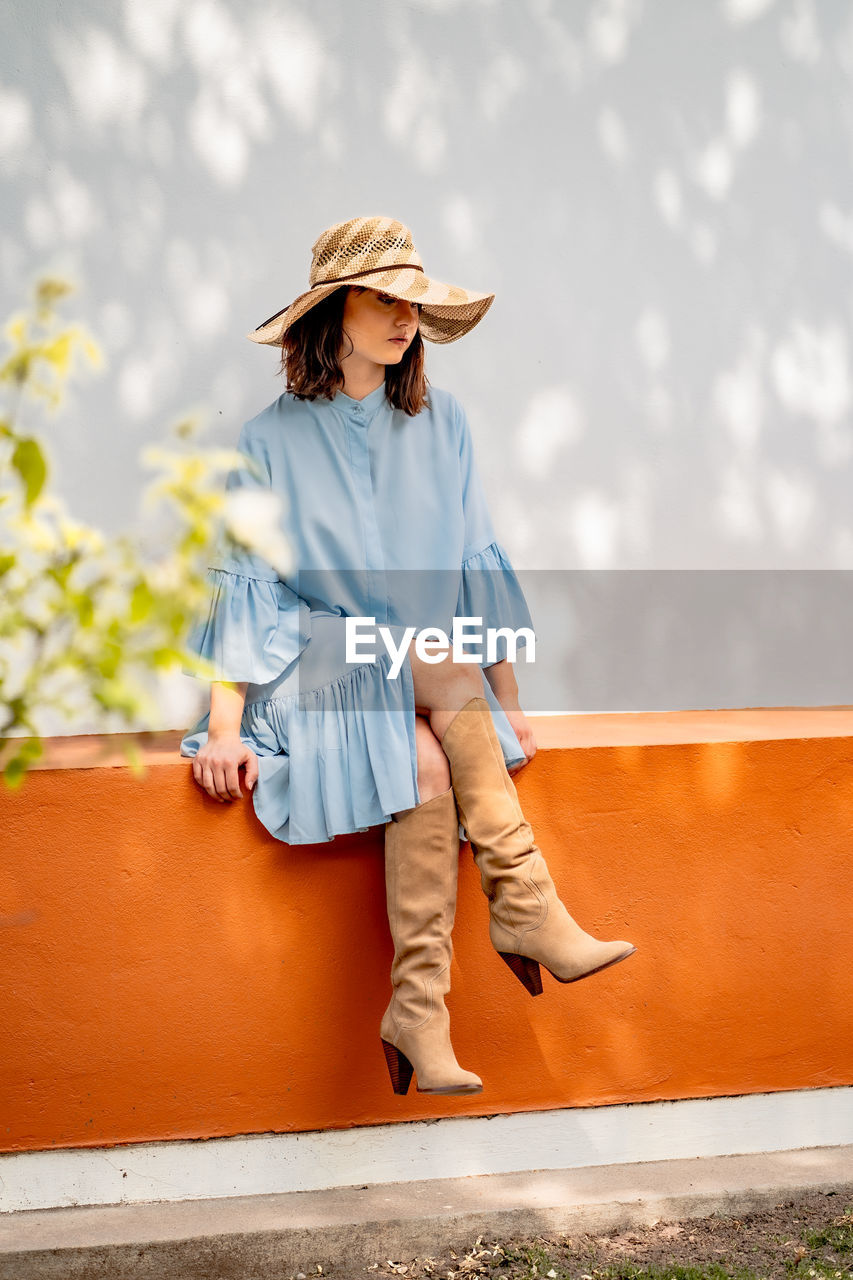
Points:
[(402, 341)]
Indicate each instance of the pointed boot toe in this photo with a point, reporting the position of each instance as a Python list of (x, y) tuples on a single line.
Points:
[(593, 960)]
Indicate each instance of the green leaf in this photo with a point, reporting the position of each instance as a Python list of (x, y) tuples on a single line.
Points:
[(13, 774), (84, 608), (28, 461), (165, 656), (16, 768), (141, 602), (133, 755)]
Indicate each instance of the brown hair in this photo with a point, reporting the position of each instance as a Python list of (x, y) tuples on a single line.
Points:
[(309, 358)]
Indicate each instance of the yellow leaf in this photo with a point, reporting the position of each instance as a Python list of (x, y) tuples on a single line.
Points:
[(92, 351), (58, 352), (16, 329), (134, 759), (50, 289)]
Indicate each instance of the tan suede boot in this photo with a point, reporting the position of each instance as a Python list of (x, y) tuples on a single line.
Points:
[(528, 925), (421, 870)]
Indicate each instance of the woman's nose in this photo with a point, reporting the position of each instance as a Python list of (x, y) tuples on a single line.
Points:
[(407, 310)]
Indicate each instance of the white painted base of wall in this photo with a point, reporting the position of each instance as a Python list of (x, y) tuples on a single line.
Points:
[(454, 1148)]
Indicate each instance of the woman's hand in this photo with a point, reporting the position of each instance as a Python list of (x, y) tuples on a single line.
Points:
[(216, 767), (524, 733), (505, 688)]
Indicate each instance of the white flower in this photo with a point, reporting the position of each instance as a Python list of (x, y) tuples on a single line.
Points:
[(252, 517)]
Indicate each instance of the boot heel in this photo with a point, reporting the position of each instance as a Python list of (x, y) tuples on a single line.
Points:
[(399, 1068), (527, 971)]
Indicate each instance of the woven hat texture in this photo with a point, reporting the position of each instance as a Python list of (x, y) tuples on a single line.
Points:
[(378, 253)]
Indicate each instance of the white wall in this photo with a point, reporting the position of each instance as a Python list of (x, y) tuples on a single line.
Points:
[(659, 194)]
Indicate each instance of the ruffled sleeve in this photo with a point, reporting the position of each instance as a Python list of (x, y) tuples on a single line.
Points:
[(255, 625), (489, 588), (254, 629)]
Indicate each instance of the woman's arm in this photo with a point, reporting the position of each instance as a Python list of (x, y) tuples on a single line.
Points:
[(226, 709), (504, 685), (490, 589), (505, 688), (217, 764)]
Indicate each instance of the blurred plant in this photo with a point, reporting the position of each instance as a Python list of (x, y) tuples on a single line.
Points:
[(87, 621)]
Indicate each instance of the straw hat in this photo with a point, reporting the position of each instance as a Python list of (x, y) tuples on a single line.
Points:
[(378, 253)]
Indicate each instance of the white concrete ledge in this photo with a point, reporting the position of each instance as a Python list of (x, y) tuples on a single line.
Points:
[(571, 1138)]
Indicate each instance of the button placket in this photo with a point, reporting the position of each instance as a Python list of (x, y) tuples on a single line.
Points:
[(374, 556)]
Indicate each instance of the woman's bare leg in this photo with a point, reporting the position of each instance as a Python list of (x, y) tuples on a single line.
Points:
[(442, 689), (433, 765), (433, 768)]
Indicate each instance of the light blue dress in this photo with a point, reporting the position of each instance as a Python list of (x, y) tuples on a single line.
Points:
[(387, 519)]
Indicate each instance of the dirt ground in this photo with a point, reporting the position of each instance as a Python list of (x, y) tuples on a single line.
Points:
[(810, 1237)]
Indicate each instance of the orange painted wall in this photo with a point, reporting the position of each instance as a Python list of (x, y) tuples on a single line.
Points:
[(172, 971)]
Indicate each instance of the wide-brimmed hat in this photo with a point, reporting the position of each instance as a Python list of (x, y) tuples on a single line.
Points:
[(378, 253)]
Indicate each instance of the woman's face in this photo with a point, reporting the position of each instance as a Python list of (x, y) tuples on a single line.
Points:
[(379, 326)]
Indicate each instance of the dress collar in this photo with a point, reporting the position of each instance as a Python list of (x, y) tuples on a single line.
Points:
[(369, 402)]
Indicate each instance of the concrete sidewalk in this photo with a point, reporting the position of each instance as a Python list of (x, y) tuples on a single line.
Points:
[(274, 1236)]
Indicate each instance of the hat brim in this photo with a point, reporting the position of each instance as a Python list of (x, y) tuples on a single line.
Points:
[(447, 312)]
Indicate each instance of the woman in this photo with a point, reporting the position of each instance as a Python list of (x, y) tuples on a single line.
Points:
[(386, 517)]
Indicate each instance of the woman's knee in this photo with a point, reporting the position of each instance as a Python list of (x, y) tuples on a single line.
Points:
[(443, 684)]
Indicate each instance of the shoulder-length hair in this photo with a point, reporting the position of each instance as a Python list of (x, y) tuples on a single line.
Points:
[(309, 358)]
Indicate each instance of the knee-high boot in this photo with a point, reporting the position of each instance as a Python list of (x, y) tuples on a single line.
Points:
[(421, 870), (528, 925)]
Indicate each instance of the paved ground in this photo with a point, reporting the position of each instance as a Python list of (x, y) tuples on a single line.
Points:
[(808, 1236), (274, 1237)]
